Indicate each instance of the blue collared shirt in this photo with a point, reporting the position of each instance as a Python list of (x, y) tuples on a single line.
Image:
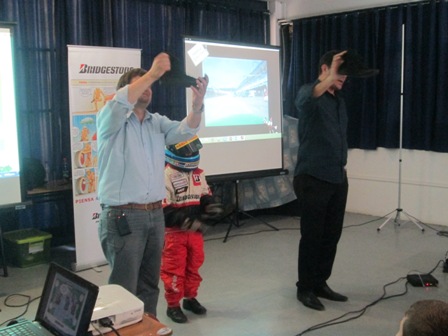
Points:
[(322, 135), (131, 154)]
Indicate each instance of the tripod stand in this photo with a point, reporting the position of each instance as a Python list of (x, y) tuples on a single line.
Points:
[(234, 215), (397, 218), (399, 210)]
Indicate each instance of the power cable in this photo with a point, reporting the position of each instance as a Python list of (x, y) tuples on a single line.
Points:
[(26, 304), (360, 312)]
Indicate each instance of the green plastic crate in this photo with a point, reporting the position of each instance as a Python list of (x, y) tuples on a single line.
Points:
[(27, 247)]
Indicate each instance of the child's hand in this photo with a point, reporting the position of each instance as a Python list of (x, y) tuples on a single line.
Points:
[(212, 211), (192, 225)]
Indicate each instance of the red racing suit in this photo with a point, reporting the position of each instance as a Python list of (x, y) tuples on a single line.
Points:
[(183, 254)]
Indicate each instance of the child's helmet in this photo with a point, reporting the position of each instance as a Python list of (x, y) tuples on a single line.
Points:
[(184, 155)]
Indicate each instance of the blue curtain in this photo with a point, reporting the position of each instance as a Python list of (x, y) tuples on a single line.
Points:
[(425, 121), (374, 103), (44, 28)]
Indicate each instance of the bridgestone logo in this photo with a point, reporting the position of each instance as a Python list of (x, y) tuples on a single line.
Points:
[(102, 69)]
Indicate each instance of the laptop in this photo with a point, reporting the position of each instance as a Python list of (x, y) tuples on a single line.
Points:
[(65, 308)]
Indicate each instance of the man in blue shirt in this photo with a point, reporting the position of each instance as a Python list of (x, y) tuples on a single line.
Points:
[(131, 160), (320, 179)]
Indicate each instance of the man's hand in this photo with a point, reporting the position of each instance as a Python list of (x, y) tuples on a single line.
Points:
[(199, 92), (137, 87), (195, 115), (336, 63), (330, 79), (160, 65)]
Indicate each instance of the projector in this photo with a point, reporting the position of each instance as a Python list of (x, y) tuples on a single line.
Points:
[(119, 305)]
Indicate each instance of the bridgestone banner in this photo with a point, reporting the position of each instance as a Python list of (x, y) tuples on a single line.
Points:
[(93, 73)]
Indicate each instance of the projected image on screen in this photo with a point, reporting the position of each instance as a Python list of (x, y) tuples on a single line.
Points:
[(237, 92), (243, 106), (9, 147)]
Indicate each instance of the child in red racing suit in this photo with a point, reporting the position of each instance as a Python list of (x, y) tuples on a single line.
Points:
[(188, 204)]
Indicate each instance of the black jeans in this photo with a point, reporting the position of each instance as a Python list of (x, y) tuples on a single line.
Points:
[(323, 209)]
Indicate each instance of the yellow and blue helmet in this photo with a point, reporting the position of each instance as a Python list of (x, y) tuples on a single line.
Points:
[(184, 155)]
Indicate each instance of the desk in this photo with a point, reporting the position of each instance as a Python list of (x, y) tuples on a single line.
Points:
[(53, 211), (147, 327), (50, 192)]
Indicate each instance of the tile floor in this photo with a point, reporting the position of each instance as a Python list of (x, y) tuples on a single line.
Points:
[(249, 281)]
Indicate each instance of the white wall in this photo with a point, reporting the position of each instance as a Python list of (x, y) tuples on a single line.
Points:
[(374, 187), (374, 175)]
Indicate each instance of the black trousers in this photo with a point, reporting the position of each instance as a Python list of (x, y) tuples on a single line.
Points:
[(323, 209)]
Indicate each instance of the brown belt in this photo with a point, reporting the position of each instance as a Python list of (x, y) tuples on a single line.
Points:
[(135, 206)]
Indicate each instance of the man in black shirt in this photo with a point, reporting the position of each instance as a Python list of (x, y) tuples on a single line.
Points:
[(320, 179)]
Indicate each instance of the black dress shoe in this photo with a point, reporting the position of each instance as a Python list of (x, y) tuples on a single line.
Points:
[(176, 314), (194, 306), (327, 293), (310, 300)]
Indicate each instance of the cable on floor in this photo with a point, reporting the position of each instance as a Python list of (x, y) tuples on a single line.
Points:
[(26, 304), (439, 232), (368, 222), (252, 233), (360, 312)]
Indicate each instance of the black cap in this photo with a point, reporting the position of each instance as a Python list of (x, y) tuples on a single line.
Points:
[(176, 76), (354, 66)]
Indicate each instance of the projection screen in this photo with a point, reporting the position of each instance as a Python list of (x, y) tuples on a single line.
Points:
[(9, 147), (241, 128)]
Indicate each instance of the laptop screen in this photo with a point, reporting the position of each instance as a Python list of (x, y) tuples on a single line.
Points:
[(67, 302)]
